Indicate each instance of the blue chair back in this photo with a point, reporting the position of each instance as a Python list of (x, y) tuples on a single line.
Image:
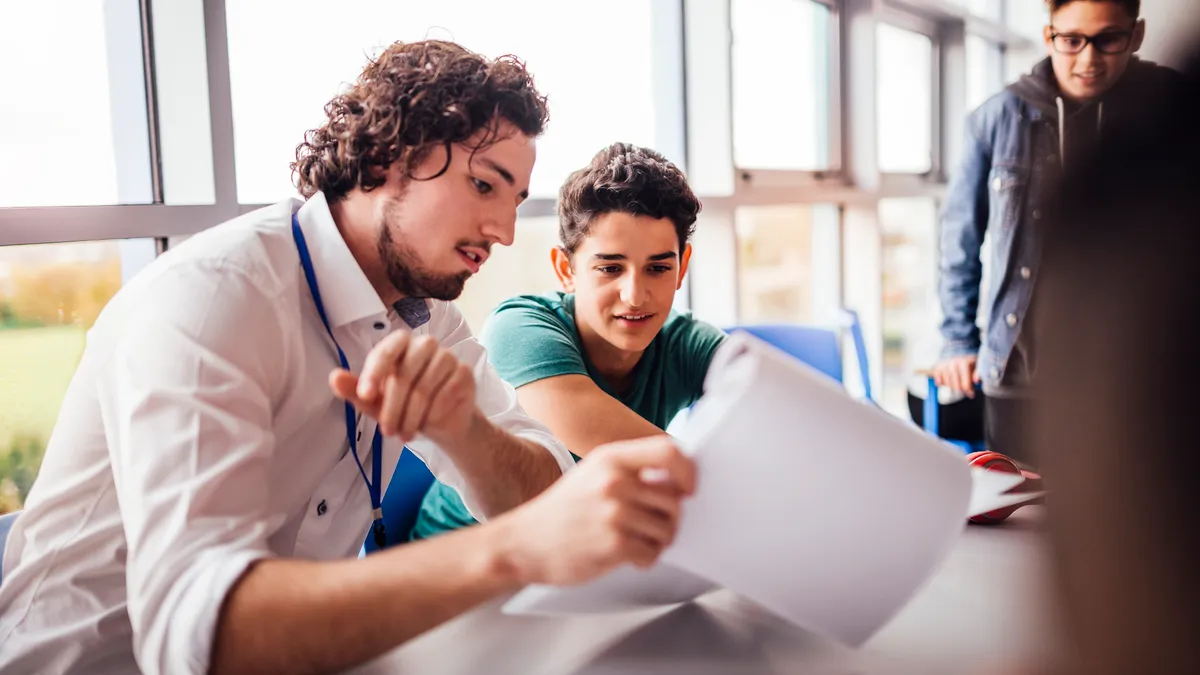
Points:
[(930, 411), (818, 347), (402, 501), (6, 523)]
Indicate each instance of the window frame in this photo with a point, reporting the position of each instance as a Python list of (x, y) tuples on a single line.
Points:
[(833, 174), (190, 136)]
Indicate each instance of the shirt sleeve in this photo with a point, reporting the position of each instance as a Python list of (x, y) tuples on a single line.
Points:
[(495, 397), (188, 421), (527, 342)]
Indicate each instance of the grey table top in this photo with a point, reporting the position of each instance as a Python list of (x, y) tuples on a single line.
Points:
[(981, 611)]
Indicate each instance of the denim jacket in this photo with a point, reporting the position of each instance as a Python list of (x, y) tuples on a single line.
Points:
[(1016, 144)]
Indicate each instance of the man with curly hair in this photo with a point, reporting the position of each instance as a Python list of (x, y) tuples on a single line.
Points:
[(607, 358), (218, 458)]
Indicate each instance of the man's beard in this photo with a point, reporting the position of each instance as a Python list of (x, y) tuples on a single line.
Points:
[(406, 273), (412, 280)]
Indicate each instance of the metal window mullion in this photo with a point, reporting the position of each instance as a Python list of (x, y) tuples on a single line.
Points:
[(57, 224), (669, 70), (220, 101), (833, 127), (156, 175), (936, 109), (126, 101)]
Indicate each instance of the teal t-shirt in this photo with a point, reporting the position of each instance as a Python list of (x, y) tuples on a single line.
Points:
[(533, 337)]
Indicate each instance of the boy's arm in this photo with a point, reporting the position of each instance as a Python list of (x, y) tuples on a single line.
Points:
[(964, 221), (581, 414)]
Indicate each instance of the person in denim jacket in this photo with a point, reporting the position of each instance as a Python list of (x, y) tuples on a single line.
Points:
[(1017, 143)]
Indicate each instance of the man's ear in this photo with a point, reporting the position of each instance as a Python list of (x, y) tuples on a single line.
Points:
[(684, 259), (562, 268), (1139, 34), (1048, 38)]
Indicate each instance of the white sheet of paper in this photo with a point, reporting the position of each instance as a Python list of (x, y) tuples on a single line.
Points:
[(989, 491), (826, 510), (988, 484), (625, 589), (984, 503)]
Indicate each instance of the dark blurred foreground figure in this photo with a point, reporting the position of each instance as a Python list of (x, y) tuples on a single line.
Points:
[(1117, 426)]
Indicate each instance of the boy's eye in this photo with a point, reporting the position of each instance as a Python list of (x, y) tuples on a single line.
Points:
[(660, 269), (1071, 41), (482, 186), (609, 269)]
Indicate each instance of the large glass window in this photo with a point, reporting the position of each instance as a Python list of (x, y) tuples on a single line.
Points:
[(73, 119), (988, 9), (593, 60), (904, 92), (50, 294), (1028, 18), (983, 70), (787, 268), (910, 306), (521, 268), (781, 87)]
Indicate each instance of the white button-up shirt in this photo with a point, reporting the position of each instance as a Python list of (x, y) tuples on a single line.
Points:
[(199, 435)]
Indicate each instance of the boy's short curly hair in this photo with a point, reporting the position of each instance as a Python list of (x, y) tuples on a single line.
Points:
[(410, 99), (625, 178)]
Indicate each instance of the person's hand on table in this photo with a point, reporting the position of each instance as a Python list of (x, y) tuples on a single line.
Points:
[(958, 373), (620, 506)]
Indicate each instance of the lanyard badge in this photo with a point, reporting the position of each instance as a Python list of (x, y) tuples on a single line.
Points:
[(378, 531)]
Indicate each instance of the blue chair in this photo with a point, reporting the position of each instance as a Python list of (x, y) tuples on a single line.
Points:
[(930, 419), (6, 523), (402, 501), (817, 347)]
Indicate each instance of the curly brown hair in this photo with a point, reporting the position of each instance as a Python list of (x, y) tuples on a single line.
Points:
[(625, 178), (410, 99)]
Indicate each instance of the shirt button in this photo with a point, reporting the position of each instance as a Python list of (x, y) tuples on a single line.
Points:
[(994, 372), (1011, 320), (379, 325), (1037, 214), (1026, 273), (997, 184), (321, 508)]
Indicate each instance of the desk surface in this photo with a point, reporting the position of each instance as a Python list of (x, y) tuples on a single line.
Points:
[(978, 612)]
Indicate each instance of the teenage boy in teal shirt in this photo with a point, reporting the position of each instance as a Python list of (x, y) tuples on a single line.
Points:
[(607, 358)]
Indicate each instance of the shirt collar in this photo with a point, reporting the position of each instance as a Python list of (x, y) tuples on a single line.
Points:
[(346, 292)]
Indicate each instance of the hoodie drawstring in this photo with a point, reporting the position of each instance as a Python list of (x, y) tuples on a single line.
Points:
[(1062, 126), (1062, 130)]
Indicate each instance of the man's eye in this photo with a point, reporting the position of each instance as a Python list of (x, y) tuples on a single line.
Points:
[(482, 186), (608, 269)]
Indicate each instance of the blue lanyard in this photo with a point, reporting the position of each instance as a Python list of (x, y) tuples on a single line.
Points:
[(373, 485)]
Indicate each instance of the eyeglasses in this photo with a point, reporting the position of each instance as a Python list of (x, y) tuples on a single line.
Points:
[(1108, 42)]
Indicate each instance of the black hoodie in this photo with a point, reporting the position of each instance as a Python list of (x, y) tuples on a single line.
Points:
[(1067, 133), (1079, 125)]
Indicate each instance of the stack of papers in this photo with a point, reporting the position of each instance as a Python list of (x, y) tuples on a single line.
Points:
[(826, 511)]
